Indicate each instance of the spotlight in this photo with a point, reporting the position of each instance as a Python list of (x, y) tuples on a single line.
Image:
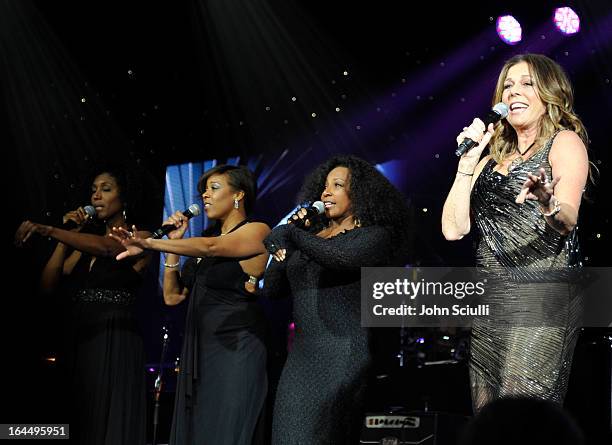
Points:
[(509, 29), (566, 20)]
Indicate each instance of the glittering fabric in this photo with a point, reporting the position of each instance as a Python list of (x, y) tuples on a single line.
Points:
[(521, 350), (113, 296), (320, 393)]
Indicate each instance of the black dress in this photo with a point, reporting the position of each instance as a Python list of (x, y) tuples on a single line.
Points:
[(222, 381), (321, 390), (105, 355), (526, 349)]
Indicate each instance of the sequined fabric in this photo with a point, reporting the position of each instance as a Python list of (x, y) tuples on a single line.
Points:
[(519, 351), (112, 296)]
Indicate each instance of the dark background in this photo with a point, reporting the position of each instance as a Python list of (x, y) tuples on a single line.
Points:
[(165, 83)]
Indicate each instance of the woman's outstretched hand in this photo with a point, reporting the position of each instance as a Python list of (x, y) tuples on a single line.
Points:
[(134, 244), (537, 188), (27, 229)]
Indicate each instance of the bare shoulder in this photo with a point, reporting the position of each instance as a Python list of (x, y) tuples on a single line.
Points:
[(567, 146), (566, 140), (255, 228)]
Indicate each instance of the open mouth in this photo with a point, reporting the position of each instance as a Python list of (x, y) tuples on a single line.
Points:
[(518, 107)]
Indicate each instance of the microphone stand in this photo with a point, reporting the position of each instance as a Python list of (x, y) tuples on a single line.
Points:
[(159, 383)]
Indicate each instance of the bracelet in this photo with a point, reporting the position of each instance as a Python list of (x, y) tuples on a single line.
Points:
[(465, 174), (556, 209), (172, 266)]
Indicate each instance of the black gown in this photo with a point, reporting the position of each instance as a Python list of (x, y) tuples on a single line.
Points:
[(321, 391), (105, 355), (222, 381), (526, 350)]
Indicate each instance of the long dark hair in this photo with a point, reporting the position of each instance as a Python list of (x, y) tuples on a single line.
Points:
[(374, 200)]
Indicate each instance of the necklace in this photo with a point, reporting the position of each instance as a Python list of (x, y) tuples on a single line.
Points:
[(519, 159)]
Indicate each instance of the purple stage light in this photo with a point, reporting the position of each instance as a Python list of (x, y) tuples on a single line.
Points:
[(566, 20), (509, 29)]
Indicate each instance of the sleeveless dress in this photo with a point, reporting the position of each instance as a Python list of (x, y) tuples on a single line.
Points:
[(222, 382), (526, 349), (320, 395), (105, 355)]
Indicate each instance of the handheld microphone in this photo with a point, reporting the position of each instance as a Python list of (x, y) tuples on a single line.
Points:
[(498, 112), (70, 224), (193, 210), (315, 209)]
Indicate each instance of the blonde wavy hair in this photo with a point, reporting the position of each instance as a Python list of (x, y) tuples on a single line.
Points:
[(555, 91)]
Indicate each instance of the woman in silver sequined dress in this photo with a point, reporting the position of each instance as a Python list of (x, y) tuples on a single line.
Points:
[(523, 198), (103, 355)]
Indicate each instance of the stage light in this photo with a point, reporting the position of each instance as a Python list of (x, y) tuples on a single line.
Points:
[(509, 29), (566, 20)]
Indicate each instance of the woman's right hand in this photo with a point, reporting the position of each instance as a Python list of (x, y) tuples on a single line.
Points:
[(27, 229), (178, 220), (476, 132), (78, 216)]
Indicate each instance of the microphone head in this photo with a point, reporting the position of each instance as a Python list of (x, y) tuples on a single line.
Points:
[(501, 109), (91, 211), (194, 209), (319, 207)]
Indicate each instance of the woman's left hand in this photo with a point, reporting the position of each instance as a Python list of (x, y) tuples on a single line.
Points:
[(537, 188), (134, 244), (280, 255)]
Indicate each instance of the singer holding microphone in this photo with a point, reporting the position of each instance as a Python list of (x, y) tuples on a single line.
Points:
[(317, 262), (222, 381), (523, 198), (103, 357)]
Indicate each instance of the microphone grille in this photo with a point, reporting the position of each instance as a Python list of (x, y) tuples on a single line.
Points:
[(501, 109), (194, 209), (90, 210), (319, 206)]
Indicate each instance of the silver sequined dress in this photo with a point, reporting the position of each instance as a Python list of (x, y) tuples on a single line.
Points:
[(518, 350)]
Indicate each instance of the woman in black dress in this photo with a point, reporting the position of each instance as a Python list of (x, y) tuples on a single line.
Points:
[(104, 354), (320, 394), (222, 381)]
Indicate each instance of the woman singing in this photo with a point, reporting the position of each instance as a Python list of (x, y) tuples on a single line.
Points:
[(320, 394), (523, 198), (222, 382)]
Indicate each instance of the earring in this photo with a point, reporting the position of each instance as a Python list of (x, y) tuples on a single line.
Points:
[(356, 222), (236, 204), (124, 216)]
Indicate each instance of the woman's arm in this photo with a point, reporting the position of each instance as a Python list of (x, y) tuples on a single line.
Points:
[(244, 242), (360, 247), (95, 245), (456, 211), (56, 267), (560, 197), (174, 290), (276, 284)]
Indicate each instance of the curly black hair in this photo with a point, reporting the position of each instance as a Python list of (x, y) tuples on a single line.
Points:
[(374, 200)]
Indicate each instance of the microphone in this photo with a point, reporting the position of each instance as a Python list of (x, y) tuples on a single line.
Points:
[(315, 209), (498, 112), (193, 210), (70, 224)]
